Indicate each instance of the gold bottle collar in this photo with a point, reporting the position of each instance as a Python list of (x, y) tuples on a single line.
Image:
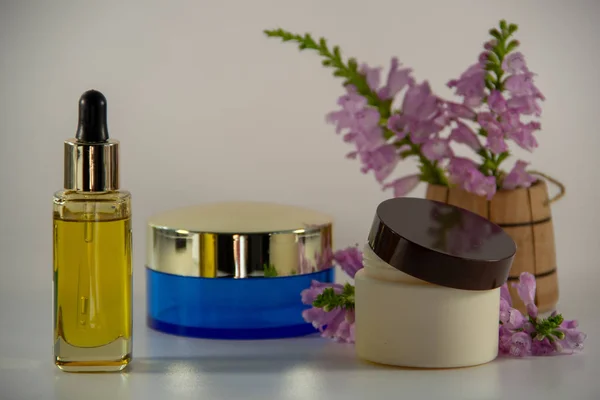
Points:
[(91, 167)]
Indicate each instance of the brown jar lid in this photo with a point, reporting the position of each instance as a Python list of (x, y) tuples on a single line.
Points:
[(441, 244)]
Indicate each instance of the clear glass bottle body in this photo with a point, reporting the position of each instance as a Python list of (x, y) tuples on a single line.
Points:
[(92, 280)]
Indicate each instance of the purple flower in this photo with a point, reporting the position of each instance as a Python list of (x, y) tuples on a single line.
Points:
[(518, 177), (421, 114), (524, 93), (372, 76), (496, 102), (471, 85), (489, 122), (366, 119), (515, 320), (464, 173), (522, 85), (505, 295), (481, 185), (520, 344), (349, 260), (437, 149), (365, 140), (510, 120), (523, 136), (404, 185), (382, 160), (542, 347), (365, 131), (463, 134), (489, 45), (495, 135), (337, 323), (573, 338), (514, 63), (396, 81), (483, 57), (396, 124), (351, 104), (495, 142), (456, 111), (526, 290), (535, 336), (341, 327), (526, 105), (505, 340), (460, 166)]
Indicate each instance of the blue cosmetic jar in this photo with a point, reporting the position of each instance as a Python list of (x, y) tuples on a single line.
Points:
[(235, 270)]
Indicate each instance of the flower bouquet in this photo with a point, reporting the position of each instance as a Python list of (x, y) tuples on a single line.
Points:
[(399, 119)]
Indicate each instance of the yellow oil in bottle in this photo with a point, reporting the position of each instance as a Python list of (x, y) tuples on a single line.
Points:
[(92, 289)]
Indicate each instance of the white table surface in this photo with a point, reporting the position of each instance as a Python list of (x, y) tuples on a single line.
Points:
[(168, 367)]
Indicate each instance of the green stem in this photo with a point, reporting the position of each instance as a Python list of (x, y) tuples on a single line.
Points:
[(491, 163)]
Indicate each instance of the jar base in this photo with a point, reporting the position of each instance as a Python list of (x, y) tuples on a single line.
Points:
[(424, 326), (232, 334), (93, 366), (408, 366), (229, 308), (113, 357)]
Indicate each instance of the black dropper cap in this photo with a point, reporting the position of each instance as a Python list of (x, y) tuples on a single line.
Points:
[(92, 127)]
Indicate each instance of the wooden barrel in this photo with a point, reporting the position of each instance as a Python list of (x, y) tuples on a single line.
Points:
[(524, 214)]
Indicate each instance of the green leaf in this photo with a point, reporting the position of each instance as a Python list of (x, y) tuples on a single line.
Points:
[(503, 24), (336, 52), (269, 270), (352, 65), (493, 58), (329, 300), (502, 157), (512, 45), (407, 153), (512, 28), (559, 335), (494, 32)]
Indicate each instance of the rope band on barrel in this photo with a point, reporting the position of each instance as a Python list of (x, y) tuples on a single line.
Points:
[(541, 275), (562, 189), (528, 223)]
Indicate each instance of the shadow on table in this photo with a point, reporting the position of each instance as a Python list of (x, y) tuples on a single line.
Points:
[(257, 358)]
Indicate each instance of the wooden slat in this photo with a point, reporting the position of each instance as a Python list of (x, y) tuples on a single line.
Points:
[(510, 207), (538, 194), (525, 257), (545, 249), (437, 193), (547, 293), (460, 198)]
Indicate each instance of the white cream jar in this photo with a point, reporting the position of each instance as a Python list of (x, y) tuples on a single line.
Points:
[(429, 293)]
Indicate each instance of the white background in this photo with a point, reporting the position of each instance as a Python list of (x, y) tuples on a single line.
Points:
[(207, 108)]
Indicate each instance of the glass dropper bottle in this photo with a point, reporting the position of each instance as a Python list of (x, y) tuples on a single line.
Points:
[(92, 250)]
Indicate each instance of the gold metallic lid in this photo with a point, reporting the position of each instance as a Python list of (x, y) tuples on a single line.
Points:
[(240, 240)]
